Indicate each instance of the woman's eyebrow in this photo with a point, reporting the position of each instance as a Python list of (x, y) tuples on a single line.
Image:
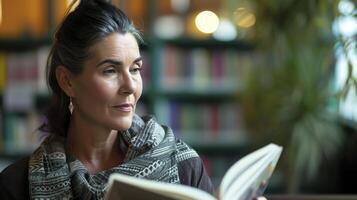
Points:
[(138, 60), (117, 62), (111, 61)]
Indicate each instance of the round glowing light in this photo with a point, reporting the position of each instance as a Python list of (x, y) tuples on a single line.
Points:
[(346, 7), (244, 18), (225, 31), (207, 21)]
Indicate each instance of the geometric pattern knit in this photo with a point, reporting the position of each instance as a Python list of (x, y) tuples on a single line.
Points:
[(152, 152)]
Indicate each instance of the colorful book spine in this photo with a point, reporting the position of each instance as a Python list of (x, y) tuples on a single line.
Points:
[(2, 72)]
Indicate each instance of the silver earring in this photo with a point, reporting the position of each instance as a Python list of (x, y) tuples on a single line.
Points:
[(70, 106)]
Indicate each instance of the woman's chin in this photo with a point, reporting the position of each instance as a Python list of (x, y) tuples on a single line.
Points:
[(123, 124)]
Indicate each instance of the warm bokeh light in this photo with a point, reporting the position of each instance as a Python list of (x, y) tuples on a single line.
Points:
[(244, 18), (207, 21)]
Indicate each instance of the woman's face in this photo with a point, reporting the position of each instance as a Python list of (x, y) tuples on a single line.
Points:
[(108, 88)]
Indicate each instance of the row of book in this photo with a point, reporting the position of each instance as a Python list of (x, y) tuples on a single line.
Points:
[(202, 68), (203, 123)]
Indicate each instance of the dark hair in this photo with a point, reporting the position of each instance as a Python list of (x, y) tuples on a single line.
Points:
[(90, 22)]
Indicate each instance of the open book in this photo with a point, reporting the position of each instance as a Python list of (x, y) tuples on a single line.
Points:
[(245, 179)]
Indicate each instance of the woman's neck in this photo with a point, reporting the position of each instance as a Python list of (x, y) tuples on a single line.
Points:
[(97, 148)]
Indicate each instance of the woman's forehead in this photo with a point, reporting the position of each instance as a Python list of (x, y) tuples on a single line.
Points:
[(117, 40), (116, 44)]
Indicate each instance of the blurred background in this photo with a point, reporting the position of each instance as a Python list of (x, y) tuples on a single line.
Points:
[(228, 76)]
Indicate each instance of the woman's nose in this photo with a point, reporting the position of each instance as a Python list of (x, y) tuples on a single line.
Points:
[(128, 84)]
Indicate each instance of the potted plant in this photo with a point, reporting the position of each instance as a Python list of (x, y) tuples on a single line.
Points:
[(289, 97)]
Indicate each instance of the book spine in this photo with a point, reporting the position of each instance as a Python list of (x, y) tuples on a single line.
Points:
[(41, 60), (217, 68), (169, 67), (2, 72)]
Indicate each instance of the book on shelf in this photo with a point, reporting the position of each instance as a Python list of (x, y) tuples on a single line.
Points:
[(2, 72), (245, 179)]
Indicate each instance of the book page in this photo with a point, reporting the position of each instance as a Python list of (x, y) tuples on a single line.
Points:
[(127, 187), (122, 191), (250, 171), (241, 166), (257, 184)]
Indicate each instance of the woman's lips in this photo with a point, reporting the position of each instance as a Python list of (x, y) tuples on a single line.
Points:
[(125, 107)]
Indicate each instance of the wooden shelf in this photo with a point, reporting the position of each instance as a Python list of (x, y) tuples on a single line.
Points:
[(199, 95), (209, 43), (23, 44)]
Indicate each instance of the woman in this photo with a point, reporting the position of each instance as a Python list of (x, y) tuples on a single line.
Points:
[(93, 72)]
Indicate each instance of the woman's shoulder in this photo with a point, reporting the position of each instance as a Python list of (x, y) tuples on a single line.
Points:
[(19, 164), (184, 151), (14, 180), (191, 169), (186, 157)]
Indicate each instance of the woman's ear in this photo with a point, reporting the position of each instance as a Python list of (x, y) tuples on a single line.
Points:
[(64, 79)]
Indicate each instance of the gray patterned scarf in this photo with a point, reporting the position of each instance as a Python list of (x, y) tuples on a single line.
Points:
[(151, 153)]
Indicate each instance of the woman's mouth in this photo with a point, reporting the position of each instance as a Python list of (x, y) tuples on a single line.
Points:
[(125, 107)]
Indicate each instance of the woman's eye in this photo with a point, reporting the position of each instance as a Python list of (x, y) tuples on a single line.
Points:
[(109, 71), (136, 70)]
